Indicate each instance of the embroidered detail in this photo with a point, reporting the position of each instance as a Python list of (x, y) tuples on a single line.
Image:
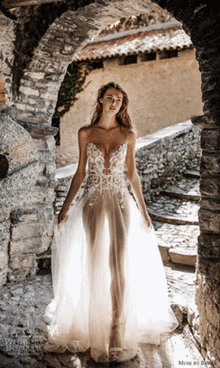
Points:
[(100, 178)]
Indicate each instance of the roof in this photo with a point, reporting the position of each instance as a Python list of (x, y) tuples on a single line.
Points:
[(158, 37)]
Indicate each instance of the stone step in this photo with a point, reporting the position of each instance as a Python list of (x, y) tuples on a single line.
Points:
[(192, 196), (175, 210), (176, 220), (192, 174), (177, 243), (184, 188)]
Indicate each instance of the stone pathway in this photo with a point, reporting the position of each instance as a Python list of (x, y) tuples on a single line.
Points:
[(23, 332)]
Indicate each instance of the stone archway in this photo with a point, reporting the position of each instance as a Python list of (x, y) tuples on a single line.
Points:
[(39, 88), (41, 81)]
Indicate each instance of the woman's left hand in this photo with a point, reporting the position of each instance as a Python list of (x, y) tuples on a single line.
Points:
[(147, 219)]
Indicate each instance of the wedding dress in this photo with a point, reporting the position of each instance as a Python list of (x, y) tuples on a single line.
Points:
[(108, 278)]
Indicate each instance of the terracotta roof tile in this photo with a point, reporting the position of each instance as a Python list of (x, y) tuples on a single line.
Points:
[(162, 36)]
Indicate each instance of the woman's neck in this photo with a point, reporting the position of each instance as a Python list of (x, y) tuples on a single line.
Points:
[(107, 122)]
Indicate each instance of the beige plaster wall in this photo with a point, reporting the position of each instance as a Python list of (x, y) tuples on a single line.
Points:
[(162, 92)]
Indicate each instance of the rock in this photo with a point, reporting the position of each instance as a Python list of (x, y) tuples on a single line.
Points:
[(17, 291)]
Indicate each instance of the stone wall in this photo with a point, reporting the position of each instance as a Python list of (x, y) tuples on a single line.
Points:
[(7, 39), (160, 158), (26, 198)]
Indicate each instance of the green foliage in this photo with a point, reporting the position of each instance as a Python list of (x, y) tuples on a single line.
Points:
[(72, 85)]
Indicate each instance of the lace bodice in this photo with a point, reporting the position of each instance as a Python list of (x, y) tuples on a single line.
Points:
[(99, 177)]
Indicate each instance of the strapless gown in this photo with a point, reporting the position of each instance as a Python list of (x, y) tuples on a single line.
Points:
[(107, 272)]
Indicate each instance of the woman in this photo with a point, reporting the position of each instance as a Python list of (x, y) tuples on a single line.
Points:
[(108, 278)]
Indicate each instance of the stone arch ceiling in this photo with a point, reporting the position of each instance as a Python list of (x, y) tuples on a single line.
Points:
[(69, 32)]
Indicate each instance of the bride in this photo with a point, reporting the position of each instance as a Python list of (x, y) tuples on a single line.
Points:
[(109, 285)]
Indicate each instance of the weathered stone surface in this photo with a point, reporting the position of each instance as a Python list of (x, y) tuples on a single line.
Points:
[(25, 246), (23, 162), (182, 257), (210, 139), (38, 130), (154, 153), (17, 263), (209, 221), (21, 274), (210, 187), (164, 251), (27, 230), (29, 184), (209, 246)]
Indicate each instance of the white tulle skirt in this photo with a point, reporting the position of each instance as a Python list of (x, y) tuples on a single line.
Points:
[(106, 266)]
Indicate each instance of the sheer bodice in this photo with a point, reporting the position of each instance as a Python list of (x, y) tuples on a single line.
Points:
[(101, 177), (108, 278)]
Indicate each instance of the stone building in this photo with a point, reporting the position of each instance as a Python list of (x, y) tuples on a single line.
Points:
[(148, 62), (38, 41)]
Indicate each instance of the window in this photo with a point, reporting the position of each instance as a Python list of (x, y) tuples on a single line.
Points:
[(97, 64), (129, 59), (166, 54), (148, 56)]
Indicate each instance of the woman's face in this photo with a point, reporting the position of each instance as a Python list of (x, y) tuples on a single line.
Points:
[(112, 101)]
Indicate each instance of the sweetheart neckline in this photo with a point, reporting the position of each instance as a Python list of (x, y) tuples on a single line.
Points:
[(112, 153)]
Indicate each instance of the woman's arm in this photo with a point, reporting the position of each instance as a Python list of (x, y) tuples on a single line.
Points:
[(79, 175), (134, 178)]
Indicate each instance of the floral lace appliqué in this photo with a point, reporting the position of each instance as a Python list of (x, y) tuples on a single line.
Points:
[(100, 178)]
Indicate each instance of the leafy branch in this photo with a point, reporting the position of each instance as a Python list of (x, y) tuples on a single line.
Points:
[(72, 85)]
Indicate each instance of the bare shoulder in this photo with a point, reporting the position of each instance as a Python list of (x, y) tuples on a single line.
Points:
[(83, 132), (131, 136)]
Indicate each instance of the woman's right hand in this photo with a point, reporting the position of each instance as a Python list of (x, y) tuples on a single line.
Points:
[(62, 215)]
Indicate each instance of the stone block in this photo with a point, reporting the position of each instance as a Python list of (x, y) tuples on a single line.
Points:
[(25, 246), (209, 221), (180, 257), (27, 230), (21, 274), (164, 251), (4, 257), (45, 244), (29, 91), (50, 170), (209, 246), (210, 204), (210, 164), (210, 186), (34, 75), (3, 275), (17, 263), (210, 139), (25, 215)]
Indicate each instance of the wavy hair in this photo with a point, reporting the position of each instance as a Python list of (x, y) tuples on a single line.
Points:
[(122, 116)]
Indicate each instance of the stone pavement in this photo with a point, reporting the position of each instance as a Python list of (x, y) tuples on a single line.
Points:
[(23, 332)]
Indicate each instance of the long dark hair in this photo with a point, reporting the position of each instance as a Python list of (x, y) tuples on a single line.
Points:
[(122, 116)]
